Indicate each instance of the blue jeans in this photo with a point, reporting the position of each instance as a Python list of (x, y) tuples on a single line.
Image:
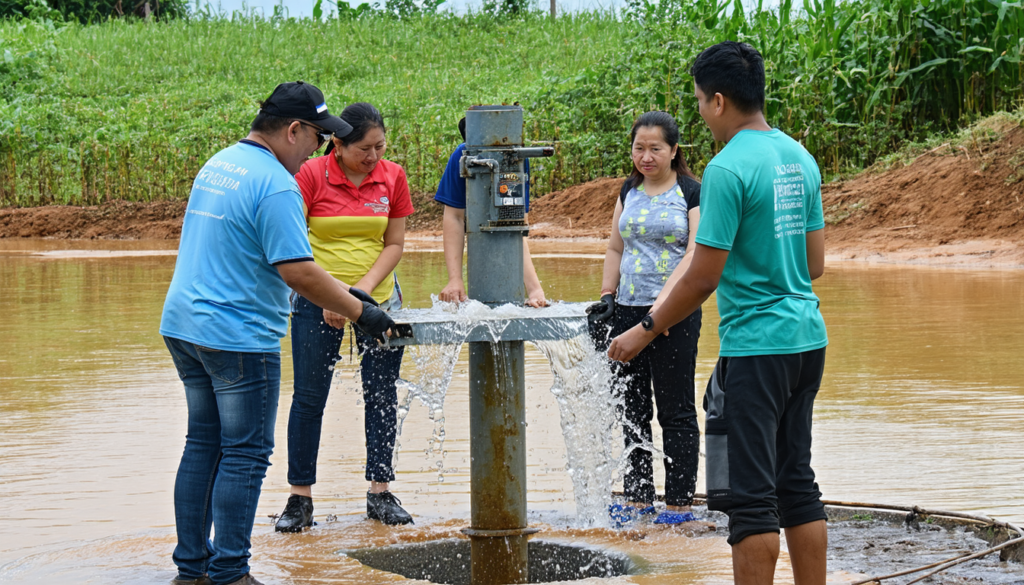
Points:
[(232, 406), (315, 346)]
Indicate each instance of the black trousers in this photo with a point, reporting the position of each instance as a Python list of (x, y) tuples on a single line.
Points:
[(758, 441), (667, 367)]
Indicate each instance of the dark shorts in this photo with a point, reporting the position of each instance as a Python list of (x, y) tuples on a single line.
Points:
[(758, 441)]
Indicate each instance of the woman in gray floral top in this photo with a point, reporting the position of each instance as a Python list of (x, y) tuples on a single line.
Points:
[(653, 231)]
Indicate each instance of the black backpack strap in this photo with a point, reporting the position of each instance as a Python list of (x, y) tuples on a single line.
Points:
[(690, 188), (624, 191)]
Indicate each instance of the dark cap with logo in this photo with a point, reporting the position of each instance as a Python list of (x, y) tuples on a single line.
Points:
[(303, 101)]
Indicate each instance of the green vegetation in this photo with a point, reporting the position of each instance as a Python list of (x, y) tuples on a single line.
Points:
[(131, 109), (969, 140), (89, 11)]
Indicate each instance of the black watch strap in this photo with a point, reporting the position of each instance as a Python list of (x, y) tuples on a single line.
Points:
[(647, 323)]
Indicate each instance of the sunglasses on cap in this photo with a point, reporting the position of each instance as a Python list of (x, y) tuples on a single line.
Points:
[(321, 134)]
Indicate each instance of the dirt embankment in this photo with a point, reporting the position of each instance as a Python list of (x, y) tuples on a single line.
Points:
[(158, 220), (959, 204), (126, 220), (955, 204), (581, 211)]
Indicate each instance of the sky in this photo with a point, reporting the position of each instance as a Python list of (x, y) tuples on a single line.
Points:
[(300, 8)]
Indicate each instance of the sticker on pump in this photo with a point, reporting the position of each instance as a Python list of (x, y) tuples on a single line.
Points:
[(508, 200)]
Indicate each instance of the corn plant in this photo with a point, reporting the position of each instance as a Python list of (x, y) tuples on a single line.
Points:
[(130, 109)]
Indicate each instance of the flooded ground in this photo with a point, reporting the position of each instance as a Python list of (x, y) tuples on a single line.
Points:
[(922, 403)]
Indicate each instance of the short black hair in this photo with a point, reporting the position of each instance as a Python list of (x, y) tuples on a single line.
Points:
[(268, 123), (735, 70)]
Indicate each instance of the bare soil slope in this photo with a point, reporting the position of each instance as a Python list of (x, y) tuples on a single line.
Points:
[(961, 202), (579, 211), (157, 220)]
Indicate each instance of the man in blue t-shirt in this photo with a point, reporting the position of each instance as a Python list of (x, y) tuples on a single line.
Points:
[(760, 244), (451, 191), (243, 245)]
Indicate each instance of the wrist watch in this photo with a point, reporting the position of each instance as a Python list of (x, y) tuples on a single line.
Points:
[(647, 323)]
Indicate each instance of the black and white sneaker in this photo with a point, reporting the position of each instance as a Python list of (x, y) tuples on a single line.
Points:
[(298, 514), (204, 580), (386, 508)]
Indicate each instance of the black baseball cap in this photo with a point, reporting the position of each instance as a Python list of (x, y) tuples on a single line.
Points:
[(303, 101)]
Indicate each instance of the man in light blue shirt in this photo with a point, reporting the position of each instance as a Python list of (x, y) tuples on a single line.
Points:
[(760, 244), (243, 245)]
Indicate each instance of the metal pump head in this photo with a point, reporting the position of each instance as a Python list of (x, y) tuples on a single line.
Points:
[(493, 165), (494, 138)]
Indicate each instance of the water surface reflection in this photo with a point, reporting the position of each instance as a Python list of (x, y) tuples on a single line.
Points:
[(922, 403)]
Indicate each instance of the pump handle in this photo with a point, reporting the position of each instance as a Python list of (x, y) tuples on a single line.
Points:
[(533, 151)]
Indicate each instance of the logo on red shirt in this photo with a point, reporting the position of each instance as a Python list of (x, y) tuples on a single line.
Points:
[(381, 207)]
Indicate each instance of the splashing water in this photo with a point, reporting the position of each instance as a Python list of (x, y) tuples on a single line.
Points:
[(435, 364), (583, 390)]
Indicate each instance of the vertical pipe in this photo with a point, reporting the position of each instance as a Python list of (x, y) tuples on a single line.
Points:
[(497, 405), (497, 426)]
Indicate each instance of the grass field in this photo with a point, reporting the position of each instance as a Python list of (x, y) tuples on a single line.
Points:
[(130, 110)]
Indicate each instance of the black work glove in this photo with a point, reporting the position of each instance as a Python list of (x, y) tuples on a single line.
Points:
[(374, 322), (362, 296), (599, 324), (602, 310)]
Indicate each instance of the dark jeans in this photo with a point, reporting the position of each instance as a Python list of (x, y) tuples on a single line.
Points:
[(667, 365), (315, 346), (232, 408)]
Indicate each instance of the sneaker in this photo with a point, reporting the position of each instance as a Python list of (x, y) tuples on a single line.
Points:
[(204, 580), (386, 508), (670, 517), (298, 514), (248, 579)]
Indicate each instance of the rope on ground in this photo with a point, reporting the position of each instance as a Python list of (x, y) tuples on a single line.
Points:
[(956, 562), (914, 512), (948, 563), (907, 572)]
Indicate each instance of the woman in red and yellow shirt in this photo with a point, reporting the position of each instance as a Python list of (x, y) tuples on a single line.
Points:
[(356, 204)]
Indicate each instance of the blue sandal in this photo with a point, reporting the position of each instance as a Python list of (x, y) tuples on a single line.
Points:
[(670, 517), (622, 515)]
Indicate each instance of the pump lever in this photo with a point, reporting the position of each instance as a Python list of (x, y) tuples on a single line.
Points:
[(533, 151)]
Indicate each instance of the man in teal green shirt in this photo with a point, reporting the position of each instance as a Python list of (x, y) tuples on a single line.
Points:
[(760, 244)]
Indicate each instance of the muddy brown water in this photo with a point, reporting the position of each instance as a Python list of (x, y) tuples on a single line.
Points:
[(922, 403)]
